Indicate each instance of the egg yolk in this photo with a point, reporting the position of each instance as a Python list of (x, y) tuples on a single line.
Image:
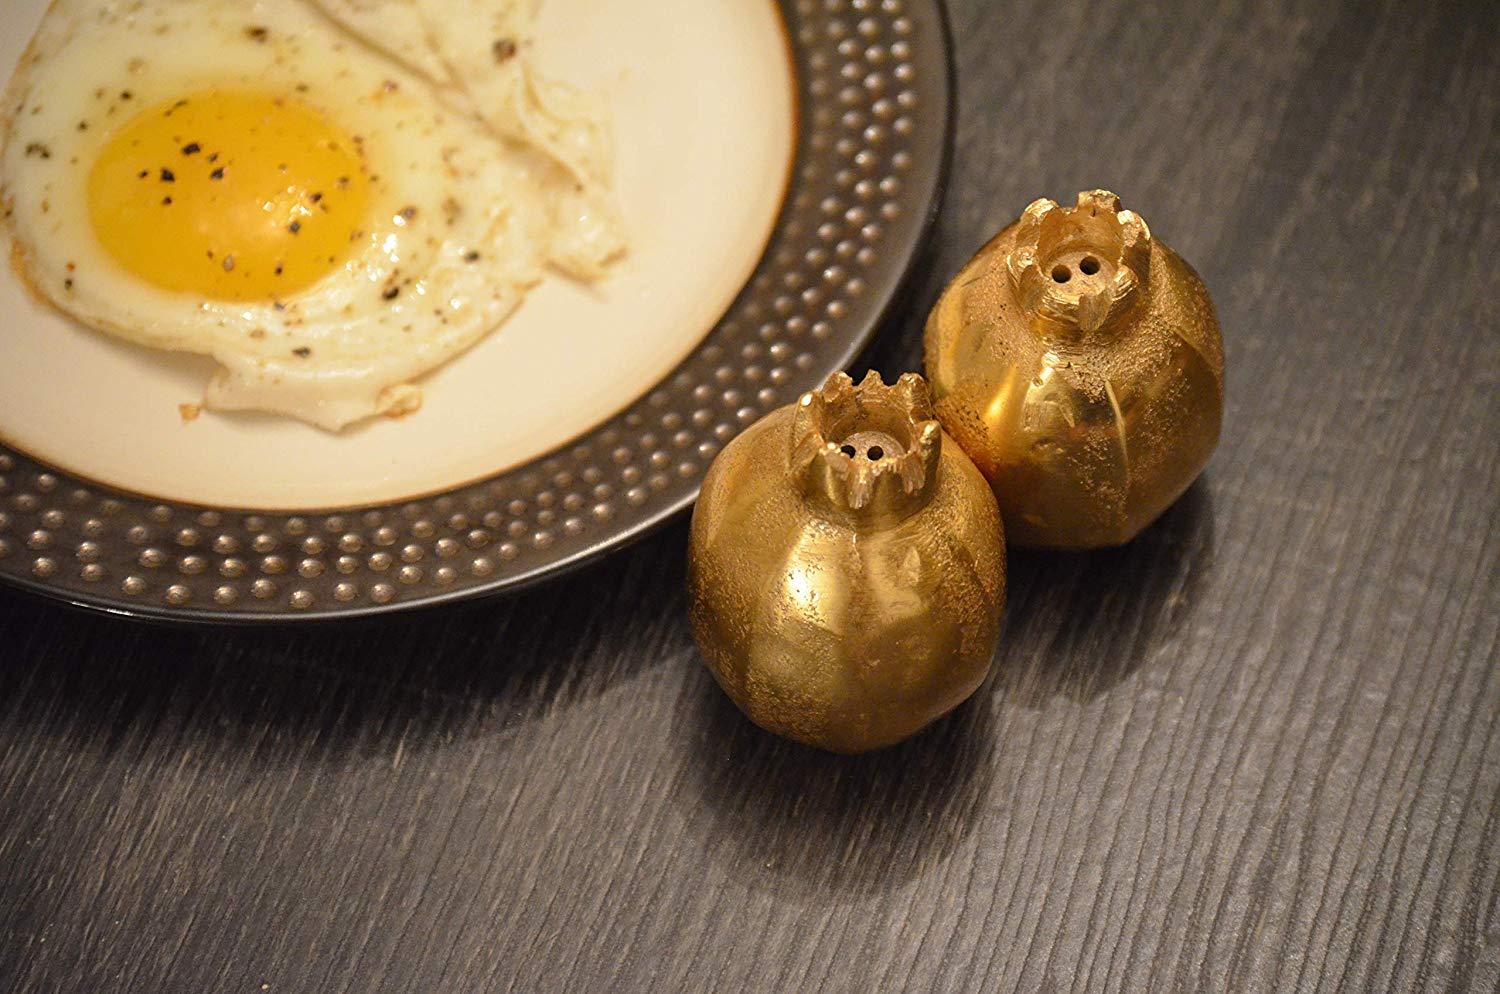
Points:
[(229, 195)]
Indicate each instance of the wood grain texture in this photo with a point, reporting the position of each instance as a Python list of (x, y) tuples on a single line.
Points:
[(1257, 750)]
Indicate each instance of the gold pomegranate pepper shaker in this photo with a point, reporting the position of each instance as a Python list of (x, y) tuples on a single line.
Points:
[(847, 567), (1078, 361)]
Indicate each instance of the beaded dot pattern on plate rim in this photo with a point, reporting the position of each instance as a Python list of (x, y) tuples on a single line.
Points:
[(874, 111)]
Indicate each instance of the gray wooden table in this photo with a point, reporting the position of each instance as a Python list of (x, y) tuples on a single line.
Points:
[(1257, 750)]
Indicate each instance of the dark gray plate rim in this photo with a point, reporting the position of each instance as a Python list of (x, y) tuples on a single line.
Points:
[(875, 117)]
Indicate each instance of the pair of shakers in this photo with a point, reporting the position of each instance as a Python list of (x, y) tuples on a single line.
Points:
[(846, 561)]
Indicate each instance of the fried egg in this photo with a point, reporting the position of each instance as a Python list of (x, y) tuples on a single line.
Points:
[(325, 213)]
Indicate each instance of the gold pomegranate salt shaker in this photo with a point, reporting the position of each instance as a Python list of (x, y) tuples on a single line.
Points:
[(847, 567), (1078, 361)]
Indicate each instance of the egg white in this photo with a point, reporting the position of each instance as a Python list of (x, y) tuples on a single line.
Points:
[(478, 58), (461, 221)]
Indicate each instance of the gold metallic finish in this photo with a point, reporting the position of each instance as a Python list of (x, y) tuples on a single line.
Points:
[(846, 567), (1078, 361)]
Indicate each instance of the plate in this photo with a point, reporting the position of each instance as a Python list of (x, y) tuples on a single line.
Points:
[(616, 441)]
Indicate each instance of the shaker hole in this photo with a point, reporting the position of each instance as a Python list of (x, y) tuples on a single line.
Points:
[(1088, 265), (1061, 273), (876, 452)]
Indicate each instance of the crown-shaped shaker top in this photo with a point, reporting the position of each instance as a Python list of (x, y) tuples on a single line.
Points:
[(1076, 268), (866, 455)]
